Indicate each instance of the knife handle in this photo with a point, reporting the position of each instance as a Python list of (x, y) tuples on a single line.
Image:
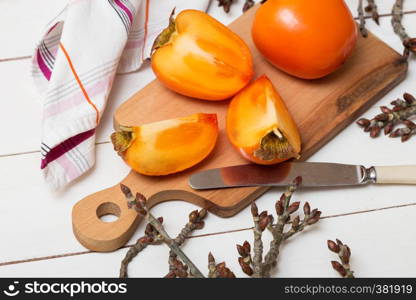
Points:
[(396, 175)]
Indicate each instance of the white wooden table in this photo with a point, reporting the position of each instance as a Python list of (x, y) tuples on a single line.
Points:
[(378, 222)]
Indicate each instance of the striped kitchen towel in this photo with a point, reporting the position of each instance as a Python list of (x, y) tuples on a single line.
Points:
[(74, 66)]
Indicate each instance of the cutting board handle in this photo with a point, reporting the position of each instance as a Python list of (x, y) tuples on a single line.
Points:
[(100, 236), (97, 235)]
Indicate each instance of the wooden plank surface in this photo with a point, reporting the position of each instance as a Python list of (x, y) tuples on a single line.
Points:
[(306, 255), (38, 222)]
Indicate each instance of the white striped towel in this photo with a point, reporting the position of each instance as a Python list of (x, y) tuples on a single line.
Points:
[(74, 65)]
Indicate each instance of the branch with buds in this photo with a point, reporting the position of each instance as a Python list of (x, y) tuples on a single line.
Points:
[(255, 265), (218, 270), (344, 254), (247, 5), (226, 4), (400, 113), (180, 266), (155, 233), (372, 9)]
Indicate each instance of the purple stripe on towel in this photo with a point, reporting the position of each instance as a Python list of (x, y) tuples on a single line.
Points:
[(66, 146), (53, 27), (125, 8), (42, 65)]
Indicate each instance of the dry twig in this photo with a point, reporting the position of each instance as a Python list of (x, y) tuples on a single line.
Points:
[(151, 237), (256, 266), (361, 16), (396, 21), (389, 118), (344, 254), (176, 268)]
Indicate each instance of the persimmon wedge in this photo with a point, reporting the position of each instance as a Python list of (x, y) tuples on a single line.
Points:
[(169, 146), (199, 57), (260, 126)]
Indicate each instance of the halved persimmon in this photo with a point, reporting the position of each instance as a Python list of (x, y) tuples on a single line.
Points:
[(169, 146), (260, 126), (199, 57)]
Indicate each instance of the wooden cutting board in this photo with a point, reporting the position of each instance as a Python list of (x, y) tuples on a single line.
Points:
[(321, 109)]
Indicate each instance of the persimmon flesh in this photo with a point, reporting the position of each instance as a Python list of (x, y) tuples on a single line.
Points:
[(305, 38), (260, 126), (199, 57), (168, 146)]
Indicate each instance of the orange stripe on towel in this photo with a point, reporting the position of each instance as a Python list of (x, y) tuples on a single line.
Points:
[(146, 21), (79, 82)]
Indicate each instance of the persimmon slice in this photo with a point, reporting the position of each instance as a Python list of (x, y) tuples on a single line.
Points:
[(168, 146), (260, 126)]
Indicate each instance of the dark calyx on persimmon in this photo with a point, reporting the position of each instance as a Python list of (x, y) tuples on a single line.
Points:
[(275, 145)]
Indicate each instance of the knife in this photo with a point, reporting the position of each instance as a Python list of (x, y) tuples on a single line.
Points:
[(313, 175)]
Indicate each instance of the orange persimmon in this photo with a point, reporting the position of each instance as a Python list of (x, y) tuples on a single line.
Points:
[(260, 126), (307, 39), (199, 57), (167, 146)]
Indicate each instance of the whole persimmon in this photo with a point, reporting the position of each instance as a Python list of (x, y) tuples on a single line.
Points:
[(305, 38), (199, 57)]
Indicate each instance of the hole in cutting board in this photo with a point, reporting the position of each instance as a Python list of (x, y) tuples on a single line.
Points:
[(108, 212)]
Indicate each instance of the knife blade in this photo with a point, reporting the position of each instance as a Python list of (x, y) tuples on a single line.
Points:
[(313, 174)]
